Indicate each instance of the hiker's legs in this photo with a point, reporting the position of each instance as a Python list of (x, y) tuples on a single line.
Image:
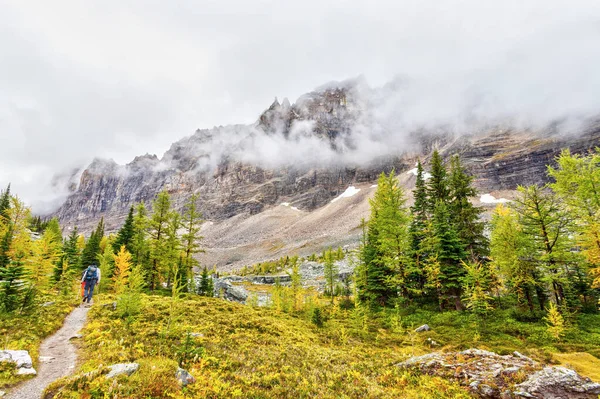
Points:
[(88, 290)]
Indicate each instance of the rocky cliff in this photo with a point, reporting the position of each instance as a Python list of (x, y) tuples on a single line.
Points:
[(304, 155)]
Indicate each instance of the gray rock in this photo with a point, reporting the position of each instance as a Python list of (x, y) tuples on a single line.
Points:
[(26, 371), (122, 369), (423, 328), (184, 377), (48, 304), (196, 335), (20, 358), (485, 373), (229, 291), (559, 382)]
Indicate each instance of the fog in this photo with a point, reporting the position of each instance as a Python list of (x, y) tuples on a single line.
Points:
[(119, 79)]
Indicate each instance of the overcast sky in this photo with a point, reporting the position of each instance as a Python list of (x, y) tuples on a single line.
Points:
[(118, 78)]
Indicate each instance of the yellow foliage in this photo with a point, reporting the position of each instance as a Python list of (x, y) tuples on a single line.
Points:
[(555, 322), (122, 270)]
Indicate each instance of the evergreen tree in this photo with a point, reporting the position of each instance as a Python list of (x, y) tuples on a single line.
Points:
[(206, 287), (15, 292), (125, 234), (437, 185), (418, 224), (92, 246), (449, 252), (70, 257), (466, 218)]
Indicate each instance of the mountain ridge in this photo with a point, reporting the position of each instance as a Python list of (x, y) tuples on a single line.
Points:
[(305, 155)]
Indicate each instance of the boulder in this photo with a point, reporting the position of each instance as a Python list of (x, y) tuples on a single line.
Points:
[(21, 359), (184, 377), (558, 382), (492, 376), (229, 291), (122, 369), (423, 328)]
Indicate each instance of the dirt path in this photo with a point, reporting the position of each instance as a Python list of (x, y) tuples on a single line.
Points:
[(57, 357)]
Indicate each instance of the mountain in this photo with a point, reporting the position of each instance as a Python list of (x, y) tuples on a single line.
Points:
[(270, 188)]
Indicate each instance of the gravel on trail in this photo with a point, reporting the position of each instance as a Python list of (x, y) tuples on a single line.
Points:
[(58, 357)]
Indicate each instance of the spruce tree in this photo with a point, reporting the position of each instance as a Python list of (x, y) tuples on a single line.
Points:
[(15, 292), (205, 287), (449, 253), (418, 227), (437, 185), (125, 234), (92, 246), (466, 218)]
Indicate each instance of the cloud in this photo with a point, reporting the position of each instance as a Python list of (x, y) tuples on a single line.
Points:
[(119, 79)]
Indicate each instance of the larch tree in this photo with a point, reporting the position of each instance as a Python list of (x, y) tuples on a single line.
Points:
[(330, 271), (122, 270), (158, 227), (510, 251), (192, 222), (546, 222)]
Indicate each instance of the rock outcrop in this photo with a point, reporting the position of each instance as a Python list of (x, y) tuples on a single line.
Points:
[(490, 376), (21, 360), (222, 166)]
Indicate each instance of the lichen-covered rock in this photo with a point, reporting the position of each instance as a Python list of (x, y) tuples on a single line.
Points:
[(492, 376), (122, 369), (485, 373), (184, 377), (557, 383), (423, 328), (228, 291)]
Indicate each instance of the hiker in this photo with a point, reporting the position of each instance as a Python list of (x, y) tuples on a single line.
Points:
[(91, 277)]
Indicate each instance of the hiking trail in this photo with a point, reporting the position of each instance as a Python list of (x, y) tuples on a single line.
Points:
[(58, 357)]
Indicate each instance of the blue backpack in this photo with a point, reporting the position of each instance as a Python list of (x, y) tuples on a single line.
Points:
[(91, 273)]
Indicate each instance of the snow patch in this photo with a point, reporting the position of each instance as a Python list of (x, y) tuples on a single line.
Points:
[(426, 176), (288, 205), (350, 191), (490, 199)]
